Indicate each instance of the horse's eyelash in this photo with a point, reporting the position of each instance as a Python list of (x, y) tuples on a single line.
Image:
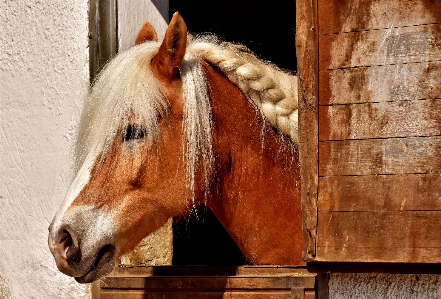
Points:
[(133, 132)]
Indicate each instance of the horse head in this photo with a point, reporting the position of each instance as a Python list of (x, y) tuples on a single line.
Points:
[(131, 175)]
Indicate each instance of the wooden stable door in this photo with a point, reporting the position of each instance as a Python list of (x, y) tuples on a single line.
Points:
[(370, 130)]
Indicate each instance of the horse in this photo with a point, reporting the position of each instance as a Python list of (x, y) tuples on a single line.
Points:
[(169, 126)]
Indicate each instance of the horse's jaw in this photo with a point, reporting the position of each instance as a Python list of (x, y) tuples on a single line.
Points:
[(82, 243)]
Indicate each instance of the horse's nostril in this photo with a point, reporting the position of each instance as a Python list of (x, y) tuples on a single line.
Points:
[(65, 237), (69, 249), (73, 254)]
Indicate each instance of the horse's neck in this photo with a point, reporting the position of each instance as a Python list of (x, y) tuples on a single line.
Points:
[(256, 192)]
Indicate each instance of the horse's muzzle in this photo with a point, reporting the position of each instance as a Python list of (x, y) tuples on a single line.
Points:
[(81, 253)]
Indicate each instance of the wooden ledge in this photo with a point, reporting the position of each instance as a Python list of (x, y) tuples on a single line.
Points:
[(269, 282), (364, 267)]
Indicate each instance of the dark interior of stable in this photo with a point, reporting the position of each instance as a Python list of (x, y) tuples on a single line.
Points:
[(269, 31)]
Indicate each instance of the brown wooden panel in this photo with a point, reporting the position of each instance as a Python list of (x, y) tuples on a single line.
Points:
[(380, 120), (422, 255), (244, 282), (400, 236), (306, 45), (204, 295), (202, 283), (310, 294), (409, 192), (349, 15), (380, 156), (201, 271), (401, 82), (380, 47)]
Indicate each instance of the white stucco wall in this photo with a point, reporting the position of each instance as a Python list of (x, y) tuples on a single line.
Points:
[(43, 80), (380, 285), (131, 16)]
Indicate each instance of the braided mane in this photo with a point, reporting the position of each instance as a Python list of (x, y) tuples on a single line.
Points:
[(273, 90)]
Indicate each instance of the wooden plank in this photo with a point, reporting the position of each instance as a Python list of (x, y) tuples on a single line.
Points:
[(411, 192), (380, 267), (205, 282), (307, 46), (380, 120), (413, 81), (400, 236), (200, 271), (309, 294), (380, 47), (348, 15), (215, 295), (212, 283), (380, 156)]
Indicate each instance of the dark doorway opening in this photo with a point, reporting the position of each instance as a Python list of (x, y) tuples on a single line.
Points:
[(200, 239), (266, 27), (268, 30)]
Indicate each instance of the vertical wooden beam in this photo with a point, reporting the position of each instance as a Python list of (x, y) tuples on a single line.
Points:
[(95, 288), (307, 60), (322, 285), (103, 44)]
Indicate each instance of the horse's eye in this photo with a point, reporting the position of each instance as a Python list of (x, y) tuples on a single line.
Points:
[(132, 132)]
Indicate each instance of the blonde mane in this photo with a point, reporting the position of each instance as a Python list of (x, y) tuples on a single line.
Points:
[(127, 87), (273, 91)]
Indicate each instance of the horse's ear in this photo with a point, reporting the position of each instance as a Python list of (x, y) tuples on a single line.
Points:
[(172, 50), (147, 33)]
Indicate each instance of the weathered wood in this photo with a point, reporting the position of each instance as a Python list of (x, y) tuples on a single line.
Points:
[(378, 129), (207, 282), (381, 47), (202, 295), (199, 271), (413, 81), (410, 192), (309, 294), (380, 156), (307, 45), (347, 15), (399, 236), (380, 120), (383, 267)]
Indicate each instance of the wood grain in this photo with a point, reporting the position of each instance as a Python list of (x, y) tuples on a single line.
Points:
[(383, 236), (306, 43), (197, 295), (379, 132), (380, 120), (200, 271), (412, 192), (207, 282), (380, 156), (347, 15), (381, 47), (402, 82), (366, 255)]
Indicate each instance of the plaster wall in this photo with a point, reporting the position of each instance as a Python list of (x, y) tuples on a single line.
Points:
[(43, 81), (131, 16), (380, 285)]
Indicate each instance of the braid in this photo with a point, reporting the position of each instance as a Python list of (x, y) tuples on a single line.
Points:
[(277, 99)]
